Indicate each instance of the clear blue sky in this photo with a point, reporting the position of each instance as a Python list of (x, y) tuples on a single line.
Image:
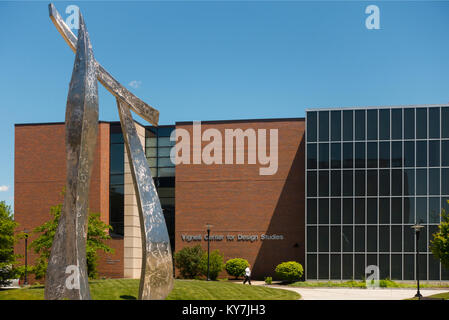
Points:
[(224, 60)]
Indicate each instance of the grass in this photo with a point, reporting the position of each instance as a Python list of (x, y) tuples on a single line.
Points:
[(127, 289), (361, 284), (444, 296)]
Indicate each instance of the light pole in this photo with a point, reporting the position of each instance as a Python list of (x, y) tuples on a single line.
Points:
[(417, 227), (208, 226), (26, 257)]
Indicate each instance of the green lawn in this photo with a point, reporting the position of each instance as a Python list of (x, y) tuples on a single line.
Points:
[(361, 284), (444, 296), (126, 289)]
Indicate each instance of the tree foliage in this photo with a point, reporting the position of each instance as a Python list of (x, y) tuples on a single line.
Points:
[(236, 267), (96, 240), (440, 243), (187, 260), (216, 264), (7, 240)]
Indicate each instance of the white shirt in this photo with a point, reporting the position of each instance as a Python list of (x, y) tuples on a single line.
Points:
[(247, 272)]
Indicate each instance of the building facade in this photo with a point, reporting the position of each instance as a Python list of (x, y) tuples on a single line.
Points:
[(344, 194)]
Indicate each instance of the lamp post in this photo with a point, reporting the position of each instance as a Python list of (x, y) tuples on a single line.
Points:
[(26, 257), (417, 227), (208, 226)]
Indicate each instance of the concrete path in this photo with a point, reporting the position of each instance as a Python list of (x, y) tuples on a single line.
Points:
[(354, 293)]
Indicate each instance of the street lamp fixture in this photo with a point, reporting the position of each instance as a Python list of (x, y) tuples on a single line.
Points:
[(417, 227), (208, 227)]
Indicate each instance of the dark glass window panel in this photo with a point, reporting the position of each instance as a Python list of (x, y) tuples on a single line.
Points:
[(384, 154), (116, 137), (371, 182), (384, 210), (421, 153), (335, 238), (347, 155), (384, 124), (434, 153), (323, 266), (421, 210), (445, 181), (371, 125), (445, 122), (423, 242), (434, 123), (335, 125), (323, 239), (432, 230), (311, 266), (396, 238), (371, 211), (311, 183), (396, 182), (116, 179), (359, 211), (434, 210), (346, 239), (335, 211), (384, 266), (384, 239), (409, 210), (359, 266), (323, 155), (409, 182), (335, 182), (323, 214), (311, 211), (335, 266), (347, 267), (360, 182), (117, 205), (421, 123), (409, 154), (371, 260), (324, 125), (434, 268), (311, 156), (117, 159), (323, 183), (312, 239), (396, 123), (347, 211), (409, 123), (348, 183), (360, 125), (445, 204), (445, 153), (348, 125), (336, 155), (444, 273), (359, 239), (409, 267), (371, 155), (384, 182), (311, 126), (396, 210), (434, 181), (422, 266), (421, 181), (371, 239), (360, 155), (396, 267), (409, 239), (396, 154)]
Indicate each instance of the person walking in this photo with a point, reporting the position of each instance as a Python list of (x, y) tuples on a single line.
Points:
[(247, 275)]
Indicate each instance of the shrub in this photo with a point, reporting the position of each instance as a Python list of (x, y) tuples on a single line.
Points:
[(289, 271), (187, 260), (268, 280), (216, 264), (236, 267)]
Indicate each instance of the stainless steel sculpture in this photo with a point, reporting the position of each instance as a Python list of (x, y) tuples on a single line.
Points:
[(156, 279), (69, 244)]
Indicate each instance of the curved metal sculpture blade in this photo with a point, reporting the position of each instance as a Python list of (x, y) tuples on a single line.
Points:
[(66, 276), (156, 279), (113, 86)]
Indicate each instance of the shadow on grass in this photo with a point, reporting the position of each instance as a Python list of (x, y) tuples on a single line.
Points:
[(126, 297)]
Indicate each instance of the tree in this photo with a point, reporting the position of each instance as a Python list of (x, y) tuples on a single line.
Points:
[(187, 260), (236, 267), (216, 264), (96, 236), (440, 243), (7, 240)]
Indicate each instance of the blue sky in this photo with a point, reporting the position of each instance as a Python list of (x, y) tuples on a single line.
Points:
[(224, 60)]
